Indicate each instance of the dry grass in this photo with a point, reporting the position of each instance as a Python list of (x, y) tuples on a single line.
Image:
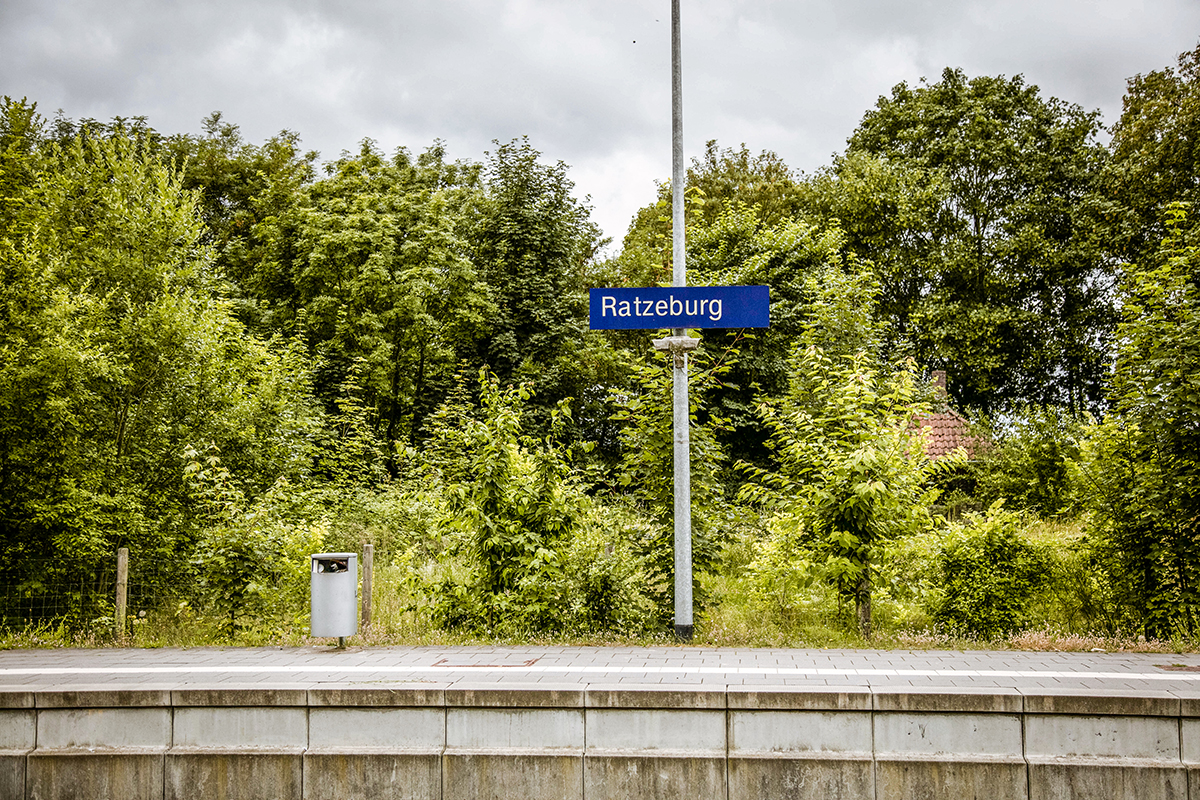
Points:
[(718, 632)]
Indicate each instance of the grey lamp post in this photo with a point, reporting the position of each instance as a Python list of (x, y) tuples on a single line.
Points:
[(679, 349)]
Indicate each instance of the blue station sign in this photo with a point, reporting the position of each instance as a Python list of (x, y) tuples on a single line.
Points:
[(679, 307)]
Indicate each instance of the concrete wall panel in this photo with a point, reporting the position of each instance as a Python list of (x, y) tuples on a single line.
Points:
[(962, 736), (758, 732), (801, 779), (234, 776), (1189, 732), (949, 755), (699, 732), (1058, 735), (372, 776), (546, 742), (502, 729), (1072, 781), (346, 729), (484, 776), (17, 730), (12, 776), (951, 779), (104, 728), (613, 777), (241, 728), (80, 776)]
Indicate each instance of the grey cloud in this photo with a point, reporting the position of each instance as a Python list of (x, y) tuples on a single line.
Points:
[(795, 77)]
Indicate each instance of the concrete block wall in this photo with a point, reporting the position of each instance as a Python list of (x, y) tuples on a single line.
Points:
[(429, 742)]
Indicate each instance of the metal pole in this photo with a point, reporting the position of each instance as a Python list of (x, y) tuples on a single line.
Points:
[(683, 467), (122, 593)]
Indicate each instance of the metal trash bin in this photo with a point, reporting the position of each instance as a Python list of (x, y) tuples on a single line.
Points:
[(334, 582)]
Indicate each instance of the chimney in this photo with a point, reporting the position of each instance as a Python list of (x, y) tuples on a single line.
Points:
[(939, 383)]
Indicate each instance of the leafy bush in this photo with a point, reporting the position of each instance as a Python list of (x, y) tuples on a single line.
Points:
[(990, 574), (853, 473), (1080, 596), (252, 559), (528, 550), (647, 469), (1029, 463), (1140, 465)]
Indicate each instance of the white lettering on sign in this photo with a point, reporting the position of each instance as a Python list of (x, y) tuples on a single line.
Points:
[(650, 308)]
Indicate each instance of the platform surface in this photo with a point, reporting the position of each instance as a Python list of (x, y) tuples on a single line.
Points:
[(532, 666)]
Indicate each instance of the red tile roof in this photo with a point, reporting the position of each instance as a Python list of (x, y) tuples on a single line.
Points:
[(947, 431)]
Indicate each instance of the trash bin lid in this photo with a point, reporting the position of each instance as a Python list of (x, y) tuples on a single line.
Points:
[(334, 562)]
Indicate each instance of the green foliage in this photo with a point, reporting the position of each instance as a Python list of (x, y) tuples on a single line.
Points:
[(240, 187), (250, 559), (1154, 159), (647, 468), (349, 454), (647, 432), (728, 176), (741, 248), (1007, 290), (892, 214), (1081, 595), (722, 179), (1139, 465), (532, 242), (517, 506), (531, 552), (852, 471), (117, 354), (609, 583), (989, 575), (373, 265), (1029, 463), (852, 476), (164, 299)]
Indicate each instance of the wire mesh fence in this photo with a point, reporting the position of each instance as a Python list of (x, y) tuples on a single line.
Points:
[(37, 592)]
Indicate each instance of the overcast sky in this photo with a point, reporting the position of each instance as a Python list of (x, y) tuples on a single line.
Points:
[(587, 80)]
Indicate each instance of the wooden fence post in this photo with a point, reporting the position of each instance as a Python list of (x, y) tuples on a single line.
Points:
[(122, 592), (368, 567)]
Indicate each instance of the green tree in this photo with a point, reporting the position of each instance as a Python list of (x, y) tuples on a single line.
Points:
[(372, 262), (720, 179), (1140, 464), (647, 468), (241, 186), (1018, 304), (893, 215), (852, 470), (117, 355), (740, 248), (532, 243), (1154, 157)]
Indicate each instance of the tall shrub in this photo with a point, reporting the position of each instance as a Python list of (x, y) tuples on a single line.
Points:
[(853, 473), (990, 574), (1140, 465)]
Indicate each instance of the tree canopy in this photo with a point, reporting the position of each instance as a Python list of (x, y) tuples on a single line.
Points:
[(1009, 291), (216, 352)]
